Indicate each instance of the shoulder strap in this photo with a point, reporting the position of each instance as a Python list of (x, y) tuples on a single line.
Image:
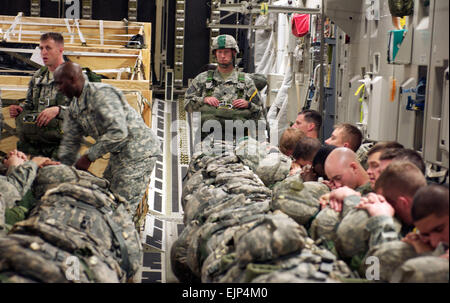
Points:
[(209, 83), (241, 85)]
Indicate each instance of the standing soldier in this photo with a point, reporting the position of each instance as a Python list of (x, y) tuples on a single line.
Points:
[(224, 94), (39, 119), (102, 112)]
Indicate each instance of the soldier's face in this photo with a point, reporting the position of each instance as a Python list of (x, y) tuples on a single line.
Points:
[(50, 52), (337, 138), (302, 124), (224, 57), (374, 169), (341, 174), (433, 229), (65, 85)]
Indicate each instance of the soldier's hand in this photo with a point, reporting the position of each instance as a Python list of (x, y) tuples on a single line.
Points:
[(18, 153), (83, 163), (213, 101), (343, 192), (44, 161), (15, 110), (330, 184), (419, 246), (376, 205), (295, 168), (13, 160), (240, 103), (47, 115), (324, 200)]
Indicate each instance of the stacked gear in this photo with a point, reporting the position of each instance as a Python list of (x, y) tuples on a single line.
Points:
[(239, 231), (232, 234), (78, 232)]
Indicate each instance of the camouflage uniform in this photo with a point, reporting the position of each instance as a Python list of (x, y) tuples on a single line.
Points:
[(42, 93), (12, 189), (364, 189), (382, 229), (103, 113), (226, 91)]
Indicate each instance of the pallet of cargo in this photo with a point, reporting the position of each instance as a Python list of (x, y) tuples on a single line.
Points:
[(75, 31)]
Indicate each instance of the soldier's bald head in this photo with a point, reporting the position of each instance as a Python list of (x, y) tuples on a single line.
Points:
[(69, 70), (340, 156), (69, 79), (343, 168)]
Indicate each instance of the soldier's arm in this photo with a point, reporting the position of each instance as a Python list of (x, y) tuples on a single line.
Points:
[(22, 176), (382, 230), (193, 97), (71, 142), (111, 119)]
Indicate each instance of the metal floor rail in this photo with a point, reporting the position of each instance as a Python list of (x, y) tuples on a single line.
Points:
[(164, 221)]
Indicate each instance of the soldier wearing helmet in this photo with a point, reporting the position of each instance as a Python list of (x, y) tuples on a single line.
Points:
[(224, 94)]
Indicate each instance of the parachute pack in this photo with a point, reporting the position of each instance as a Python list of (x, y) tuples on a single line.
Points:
[(79, 231)]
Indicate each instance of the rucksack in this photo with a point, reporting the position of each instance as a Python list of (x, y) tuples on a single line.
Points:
[(401, 8)]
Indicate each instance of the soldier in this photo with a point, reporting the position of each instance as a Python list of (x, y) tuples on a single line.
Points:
[(345, 135), (373, 159), (102, 112), (343, 169), (16, 184), (402, 154), (289, 140), (395, 189), (430, 215), (309, 121), (224, 94), (39, 119), (304, 153)]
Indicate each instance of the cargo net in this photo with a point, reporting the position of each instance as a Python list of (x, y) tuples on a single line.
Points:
[(236, 232)]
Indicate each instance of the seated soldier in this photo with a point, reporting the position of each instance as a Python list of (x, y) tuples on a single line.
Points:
[(401, 154), (309, 121), (395, 190), (289, 140), (318, 165), (343, 169), (380, 156), (373, 159), (430, 216), (304, 153), (345, 135)]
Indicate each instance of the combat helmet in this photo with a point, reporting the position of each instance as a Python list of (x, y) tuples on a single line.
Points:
[(224, 42)]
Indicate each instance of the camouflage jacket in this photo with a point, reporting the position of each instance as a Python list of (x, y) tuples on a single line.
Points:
[(14, 186), (42, 93), (103, 113), (364, 189), (226, 91), (382, 229)]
